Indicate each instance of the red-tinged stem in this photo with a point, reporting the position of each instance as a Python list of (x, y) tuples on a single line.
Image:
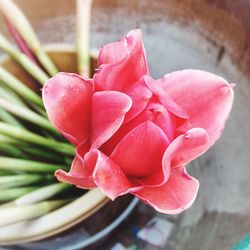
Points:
[(12, 12), (20, 42)]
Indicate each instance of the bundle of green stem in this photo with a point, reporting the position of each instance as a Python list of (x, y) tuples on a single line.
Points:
[(30, 148)]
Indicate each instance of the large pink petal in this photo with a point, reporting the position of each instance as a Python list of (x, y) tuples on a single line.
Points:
[(109, 177), (113, 52), (154, 112), (80, 173), (108, 111), (140, 95), (164, 97), (163, 118), (140, 152), (67, 99), (111, 144), (175, 196), (207, 99), (186, 147), (77, 180), (122, 63), (180, 152)]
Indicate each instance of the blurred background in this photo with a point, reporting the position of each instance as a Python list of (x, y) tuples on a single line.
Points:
[(212, 35)]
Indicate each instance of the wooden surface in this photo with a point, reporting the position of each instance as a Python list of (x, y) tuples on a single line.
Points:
[(212, 35)]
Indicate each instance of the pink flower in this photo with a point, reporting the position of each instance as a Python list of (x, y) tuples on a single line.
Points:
[(134, 134)]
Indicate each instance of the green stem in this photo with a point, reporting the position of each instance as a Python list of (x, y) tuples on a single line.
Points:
[(44, 59), (3, 173), (11, 215), (83, 29), (26, 114), (10, 10), (6, 139), (13, 164), (42, 194), (39, 110), (24, 135), (11, 150), (23, 60), (14, 193), (40, 153), (6, 205), (8, 118), (8, 94), (43, 154), (11, 181), (19, 87)]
